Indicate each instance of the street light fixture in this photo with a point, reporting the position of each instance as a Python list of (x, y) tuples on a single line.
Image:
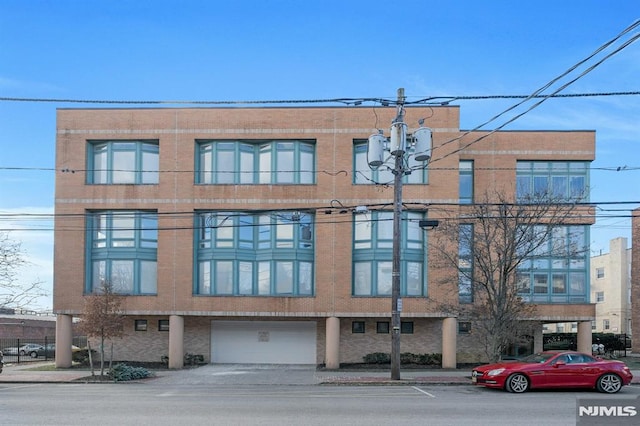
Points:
[(396, 145), (428, 224)]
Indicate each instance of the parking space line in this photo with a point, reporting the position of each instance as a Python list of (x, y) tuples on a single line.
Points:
[(424, 392)]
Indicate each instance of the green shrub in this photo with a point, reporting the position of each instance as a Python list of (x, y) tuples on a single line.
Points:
[(124, 373), (82, 356), (377, 358), (405, 358), (192, 359), (435, 359), (420, 359), (409, 358)]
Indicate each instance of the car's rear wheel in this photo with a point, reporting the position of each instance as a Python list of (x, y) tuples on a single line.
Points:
[(517, 383), (609, 383)]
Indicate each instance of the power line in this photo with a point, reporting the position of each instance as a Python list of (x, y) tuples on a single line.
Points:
[(624, 168), (445, 100), (431, 100), (338, 208), (386, 102), (538, 93), (347, 220), (346, 101)]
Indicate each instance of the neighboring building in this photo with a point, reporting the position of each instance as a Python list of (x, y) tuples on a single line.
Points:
[(20, 326), (611, 288), (635, 276), (610, 291), (256, 235)]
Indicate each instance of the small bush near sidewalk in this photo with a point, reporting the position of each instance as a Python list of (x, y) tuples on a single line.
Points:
[(377, 358), (420, 359), (82, 356), (405, 358), (124, 373)]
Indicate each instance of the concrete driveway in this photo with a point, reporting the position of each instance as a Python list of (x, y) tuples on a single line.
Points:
[(241, 374)]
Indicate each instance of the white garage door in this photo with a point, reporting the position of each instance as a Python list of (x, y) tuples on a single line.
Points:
[(263, 342)]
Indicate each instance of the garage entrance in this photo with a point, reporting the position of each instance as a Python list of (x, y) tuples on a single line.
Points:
[(263, 342)]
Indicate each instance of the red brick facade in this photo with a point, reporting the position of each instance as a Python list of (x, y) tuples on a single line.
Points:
[(334, 130)]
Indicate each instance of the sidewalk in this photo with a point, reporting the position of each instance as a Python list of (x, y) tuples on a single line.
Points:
[(24, 373), (253, 374), (246, 374)]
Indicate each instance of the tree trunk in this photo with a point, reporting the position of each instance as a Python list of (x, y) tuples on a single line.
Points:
[(111, 357), (93, 373), (102, 356)]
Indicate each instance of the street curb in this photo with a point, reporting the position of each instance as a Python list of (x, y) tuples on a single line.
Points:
[(391, 383)]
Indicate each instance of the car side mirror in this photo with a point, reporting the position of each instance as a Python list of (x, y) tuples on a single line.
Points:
[(559, 363)]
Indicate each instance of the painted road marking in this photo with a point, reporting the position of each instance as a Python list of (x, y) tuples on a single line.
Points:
[(424, 392)]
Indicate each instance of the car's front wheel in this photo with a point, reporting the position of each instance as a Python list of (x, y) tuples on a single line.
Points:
[(34, 354), (517, 383), (609, 383)]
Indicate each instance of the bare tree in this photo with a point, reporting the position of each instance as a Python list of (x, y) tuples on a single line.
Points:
[(13, 293), (488, 244), (103, 319)]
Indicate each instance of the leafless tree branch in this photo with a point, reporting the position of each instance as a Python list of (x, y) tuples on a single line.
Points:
[(499, 237), (14, 293), (103, 318)]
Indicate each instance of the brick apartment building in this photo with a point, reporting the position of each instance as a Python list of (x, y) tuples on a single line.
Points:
[(236, 233)]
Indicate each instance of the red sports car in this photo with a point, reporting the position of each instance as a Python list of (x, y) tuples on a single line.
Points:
[(554, 370)]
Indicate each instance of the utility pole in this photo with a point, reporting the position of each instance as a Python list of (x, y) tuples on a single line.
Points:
[(399, 134), (398, 147)]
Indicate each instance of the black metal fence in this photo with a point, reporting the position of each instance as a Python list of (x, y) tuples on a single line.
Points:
[(606, 344), (17, 350)]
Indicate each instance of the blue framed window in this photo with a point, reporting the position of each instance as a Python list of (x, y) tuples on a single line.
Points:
[(123, 162), (249, 254), (553, 180), (290, 162), (466, 181), (559, 270), (373, 252), (465, 263), (122, 251), (363, 174)]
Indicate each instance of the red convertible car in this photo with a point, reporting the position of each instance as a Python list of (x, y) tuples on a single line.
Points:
[(554, 370)]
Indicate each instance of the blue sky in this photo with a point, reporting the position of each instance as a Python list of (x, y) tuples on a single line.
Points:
[(278, 49)]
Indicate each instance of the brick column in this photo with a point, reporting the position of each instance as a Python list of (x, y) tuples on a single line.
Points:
[(64, 339), (449, 342), (176, 341), (332, 350), (584, 337)]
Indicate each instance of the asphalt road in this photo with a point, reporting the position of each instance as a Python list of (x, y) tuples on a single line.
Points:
[(153, 403)]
